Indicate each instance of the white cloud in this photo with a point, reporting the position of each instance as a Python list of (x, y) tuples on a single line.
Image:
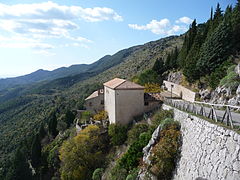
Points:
[(38, 22), (163, 26), (157, 27), (51, 10), (185, 20)]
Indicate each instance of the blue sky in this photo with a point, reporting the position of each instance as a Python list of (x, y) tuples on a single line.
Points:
[(50, 34)]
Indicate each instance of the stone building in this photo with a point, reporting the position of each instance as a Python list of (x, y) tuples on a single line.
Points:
[(124, 99), (95, 102)]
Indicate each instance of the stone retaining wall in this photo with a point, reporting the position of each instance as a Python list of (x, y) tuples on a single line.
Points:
[(209, 151)]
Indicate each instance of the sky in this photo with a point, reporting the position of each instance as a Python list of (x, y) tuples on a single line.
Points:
[(51, 34)]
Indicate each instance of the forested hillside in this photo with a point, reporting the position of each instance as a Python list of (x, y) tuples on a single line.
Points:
[(27, 108), (36, 119)]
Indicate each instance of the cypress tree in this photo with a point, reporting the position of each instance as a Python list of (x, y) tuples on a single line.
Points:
[(36, 152), (159, 67), (69, 118), (52, 125)]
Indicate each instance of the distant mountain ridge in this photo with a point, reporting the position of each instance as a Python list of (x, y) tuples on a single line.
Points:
[(45, 75)]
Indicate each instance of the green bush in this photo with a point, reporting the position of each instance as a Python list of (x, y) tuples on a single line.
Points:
[(118, 173), (232, 79), (170, 122), (160, 116), (131, 158), (133, 174), (97, 174), (117, 133), (135, 132)]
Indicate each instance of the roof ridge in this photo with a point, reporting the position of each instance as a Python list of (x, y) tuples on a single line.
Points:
[(124, 80)]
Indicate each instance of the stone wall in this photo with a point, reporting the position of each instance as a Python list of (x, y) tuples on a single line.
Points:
[(208, 151), (181, 91)]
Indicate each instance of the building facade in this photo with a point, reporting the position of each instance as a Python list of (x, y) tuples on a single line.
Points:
[(95, 102)]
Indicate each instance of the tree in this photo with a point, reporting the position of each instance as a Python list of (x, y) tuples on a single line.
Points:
[(215, 49), (52, 125), (36, 152), (82, 154), (69, 118), (159, 67)]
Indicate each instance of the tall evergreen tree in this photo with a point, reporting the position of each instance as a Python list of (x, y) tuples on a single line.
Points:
[(215, 49), (52, 125), (36, 152), (69, 118), (19, 168), (159, 67)]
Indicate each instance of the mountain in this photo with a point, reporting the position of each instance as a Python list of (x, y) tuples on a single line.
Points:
[(44, 75), (25, 107)]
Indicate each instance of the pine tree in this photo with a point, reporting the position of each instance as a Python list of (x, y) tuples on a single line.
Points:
[(36, 152), (236, 26)]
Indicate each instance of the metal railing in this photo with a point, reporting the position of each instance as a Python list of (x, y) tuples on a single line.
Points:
[(200, 108)]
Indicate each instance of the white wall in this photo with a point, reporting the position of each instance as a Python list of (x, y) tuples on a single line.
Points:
[(179, 90), (109, 104), (208, 151), (129, 103)]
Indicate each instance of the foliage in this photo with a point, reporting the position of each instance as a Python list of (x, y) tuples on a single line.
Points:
[(81, 155), (165, 152), (214, 78), (232, 79), (131, 158), (52, 124), (160, 116), (102, 115), (133, 174), (134, 133), (97, 174), (159, 67), (118, 173), (117, 133), (152, 88), (20, 168), (85, 116), (36, 152), (148, 76)]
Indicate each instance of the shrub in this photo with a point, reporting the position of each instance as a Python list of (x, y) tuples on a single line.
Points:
[(118, 173), (152, 88), (102, 115), (170, 122), (165, 152), (117, 133), (131, 158), (160, 116), (133, 174), (135, 132), (97, 174), (231, 80)]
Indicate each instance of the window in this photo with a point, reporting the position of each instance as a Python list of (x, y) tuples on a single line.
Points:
[(90, 104), (146, 103), (102, 101)]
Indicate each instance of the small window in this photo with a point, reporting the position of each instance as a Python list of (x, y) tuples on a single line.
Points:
[(102, 101), (90, 104), (146, 103)]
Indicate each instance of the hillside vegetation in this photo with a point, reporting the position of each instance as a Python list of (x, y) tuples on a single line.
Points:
[(37, 118), (25, 108)]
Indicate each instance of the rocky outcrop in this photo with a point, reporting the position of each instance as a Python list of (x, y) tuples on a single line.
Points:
[(143, 173), (175, 77)]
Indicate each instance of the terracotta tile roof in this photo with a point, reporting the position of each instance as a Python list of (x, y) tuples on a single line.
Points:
[(118, 83), (95, 94)]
